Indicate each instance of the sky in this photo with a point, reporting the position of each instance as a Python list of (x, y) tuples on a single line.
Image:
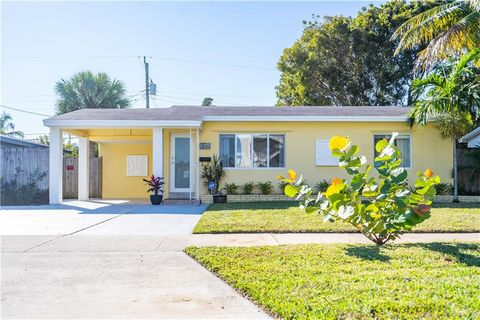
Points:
[(225, 50)]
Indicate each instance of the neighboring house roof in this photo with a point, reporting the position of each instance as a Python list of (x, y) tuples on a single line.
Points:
[(472, 139), (195, 115), (20, 142)]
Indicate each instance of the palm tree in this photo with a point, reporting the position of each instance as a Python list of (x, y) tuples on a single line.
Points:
[(7, 127), (449, 95), (448, 29), (88, 90)]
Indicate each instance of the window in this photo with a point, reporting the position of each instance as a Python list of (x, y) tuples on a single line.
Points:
[(403, 144), (252, 150)]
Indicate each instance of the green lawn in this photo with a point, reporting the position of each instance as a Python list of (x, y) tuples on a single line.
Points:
[(287, 217), (411, 281)]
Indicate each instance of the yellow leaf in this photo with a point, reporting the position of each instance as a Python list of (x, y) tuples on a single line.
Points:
[(292, 174), (334, 188), (280, 177), (428, 173), (375, 215), (336, 181), (337, 142)]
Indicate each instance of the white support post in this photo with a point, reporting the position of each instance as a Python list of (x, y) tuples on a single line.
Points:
[(190, 170), (83, 168), (157, 152), (55, 182), (197, 159)]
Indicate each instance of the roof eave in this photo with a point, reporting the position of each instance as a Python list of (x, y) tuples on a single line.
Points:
[(92, 124), (470, 136), (307, 118)]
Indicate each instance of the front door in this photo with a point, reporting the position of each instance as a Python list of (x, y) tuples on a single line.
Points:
[(180, 163)]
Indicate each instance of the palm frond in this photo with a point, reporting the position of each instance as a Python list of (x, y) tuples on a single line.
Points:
[(423, 27)]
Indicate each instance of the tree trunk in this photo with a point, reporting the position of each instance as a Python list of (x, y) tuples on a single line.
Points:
[(455, 175)]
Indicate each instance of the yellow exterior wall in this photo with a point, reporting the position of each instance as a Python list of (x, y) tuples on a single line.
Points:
[(115, 182), (428, 150)]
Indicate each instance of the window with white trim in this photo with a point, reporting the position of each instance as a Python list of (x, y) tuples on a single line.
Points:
[(252, 150), (402, 142)]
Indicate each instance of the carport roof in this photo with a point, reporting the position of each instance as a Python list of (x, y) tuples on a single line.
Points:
[(198, 114)]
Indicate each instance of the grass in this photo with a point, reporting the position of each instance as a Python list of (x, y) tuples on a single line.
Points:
[(287, 217), (411, 281)]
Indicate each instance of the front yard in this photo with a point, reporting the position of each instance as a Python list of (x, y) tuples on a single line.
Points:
[(287, 217), (412, 281)]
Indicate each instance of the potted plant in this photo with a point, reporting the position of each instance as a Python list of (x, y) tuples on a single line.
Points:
[(155, 185), (212, 173)]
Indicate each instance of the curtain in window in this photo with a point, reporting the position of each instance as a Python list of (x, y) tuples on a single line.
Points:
[(244, 150), (227, 150), (277, 154), (403, 144), (260, 151)]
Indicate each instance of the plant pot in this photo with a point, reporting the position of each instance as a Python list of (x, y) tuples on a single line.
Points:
[(220, 199), (156, 199)]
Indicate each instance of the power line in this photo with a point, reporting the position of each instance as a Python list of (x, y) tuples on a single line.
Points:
[(20, 110), (213, 63), (136, 57)]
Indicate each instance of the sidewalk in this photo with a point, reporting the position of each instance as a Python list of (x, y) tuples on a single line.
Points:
[(175, 243)]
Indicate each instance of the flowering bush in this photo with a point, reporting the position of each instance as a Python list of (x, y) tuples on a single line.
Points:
[(381, 209)]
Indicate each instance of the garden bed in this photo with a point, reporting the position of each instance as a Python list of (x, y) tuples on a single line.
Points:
[(280, 197)]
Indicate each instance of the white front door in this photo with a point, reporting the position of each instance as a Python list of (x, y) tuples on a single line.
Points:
[(180, 163)]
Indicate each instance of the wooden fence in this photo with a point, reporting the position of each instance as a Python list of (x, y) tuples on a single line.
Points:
[(468, 183), (24, 165), (70, 178)]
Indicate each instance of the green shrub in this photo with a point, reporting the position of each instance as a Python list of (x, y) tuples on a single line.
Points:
[(444, 188), (381, 210), (282, 185), (231, 188), (248, 187), (322, 186), (213, 172), (265, 187)]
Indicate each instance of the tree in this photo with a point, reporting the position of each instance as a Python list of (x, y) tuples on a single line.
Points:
[(43, 139), (450, 94), (207, 101), (7, 126), (88, 90), (350, 61), (448, 29)]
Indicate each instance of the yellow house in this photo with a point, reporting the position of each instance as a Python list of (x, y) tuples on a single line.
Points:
[(254, 144)]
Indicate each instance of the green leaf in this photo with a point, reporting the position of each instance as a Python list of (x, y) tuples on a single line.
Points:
[(290, 191), (381, 145), (337, 153), (399, 175), (311, 209), (352, 151)]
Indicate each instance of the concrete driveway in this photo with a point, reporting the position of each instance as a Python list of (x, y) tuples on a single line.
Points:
[(101, 260), (115, 217)]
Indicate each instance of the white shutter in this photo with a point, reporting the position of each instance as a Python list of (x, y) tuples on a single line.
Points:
[(323, 156)]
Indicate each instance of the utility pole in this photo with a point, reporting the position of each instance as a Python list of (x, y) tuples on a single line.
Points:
[(147, 91)]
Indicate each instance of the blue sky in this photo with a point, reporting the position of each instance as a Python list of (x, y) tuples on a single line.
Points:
[(226, 50)]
